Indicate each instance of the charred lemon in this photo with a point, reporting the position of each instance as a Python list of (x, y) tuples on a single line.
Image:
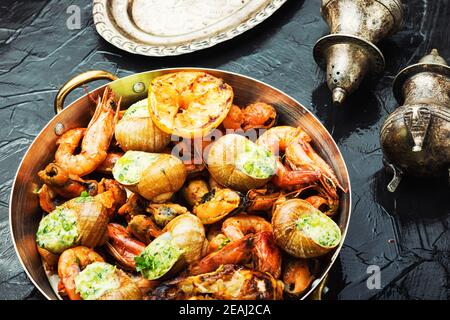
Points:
[(189, 104)]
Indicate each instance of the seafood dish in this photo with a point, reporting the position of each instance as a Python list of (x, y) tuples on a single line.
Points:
[(186, 195)]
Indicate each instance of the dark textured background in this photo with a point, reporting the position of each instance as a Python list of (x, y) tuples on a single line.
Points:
[(405, 233)]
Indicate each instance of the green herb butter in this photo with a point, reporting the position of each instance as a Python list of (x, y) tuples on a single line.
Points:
[(84, 197), (96, 279), (58, 230), (320, 228), (129, 168), (256, 161), (137, 110), (158, 257)]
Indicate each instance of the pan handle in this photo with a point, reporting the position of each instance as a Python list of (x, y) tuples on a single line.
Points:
[(77, 81)]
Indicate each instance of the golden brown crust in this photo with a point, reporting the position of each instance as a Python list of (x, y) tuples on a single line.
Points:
[(189, 104)]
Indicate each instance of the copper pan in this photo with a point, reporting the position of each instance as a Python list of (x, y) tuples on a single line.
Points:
[(24, 211)]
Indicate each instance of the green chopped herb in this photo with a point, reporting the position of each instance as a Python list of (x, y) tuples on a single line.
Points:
[(58, 230), (137, 110), (84, 194), (256, 161), (95, 280), (224, 243), (320, 228), (84, 197), (128, 169), (158, 257)]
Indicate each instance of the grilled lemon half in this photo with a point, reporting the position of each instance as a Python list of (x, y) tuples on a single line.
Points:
[(189, 104)]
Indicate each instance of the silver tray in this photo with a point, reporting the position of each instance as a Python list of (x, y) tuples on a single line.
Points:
[(174, 27)]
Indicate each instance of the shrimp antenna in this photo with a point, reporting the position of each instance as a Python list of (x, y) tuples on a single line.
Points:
[(116, 116), (89, 95), (99, 107)]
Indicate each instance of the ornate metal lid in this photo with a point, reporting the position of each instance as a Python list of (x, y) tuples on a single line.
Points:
[(173, 27), (395, 7), (432, 62)]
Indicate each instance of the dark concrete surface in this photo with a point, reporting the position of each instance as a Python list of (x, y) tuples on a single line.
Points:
[(405, 233)]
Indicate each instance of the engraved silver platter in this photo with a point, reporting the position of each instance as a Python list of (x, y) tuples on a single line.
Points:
[(174, 27)]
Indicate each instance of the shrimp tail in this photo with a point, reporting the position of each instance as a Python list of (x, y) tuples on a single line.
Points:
[(266, 255), (236, 252)]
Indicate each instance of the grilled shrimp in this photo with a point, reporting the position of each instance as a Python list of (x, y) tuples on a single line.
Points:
[(326, 199), (260, 248), (261, 200), (70, 264), (107, 165), (300, 154), (235, 228), (217, 242), (296, 276), (96, 139), (276, 140), (122, 246), (257, 115), (85, 275)]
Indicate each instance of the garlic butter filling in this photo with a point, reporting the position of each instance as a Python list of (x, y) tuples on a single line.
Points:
[(158, 257), (320, 228), (58, 230), (255, 161), (96, 279), (129, 168), (137, 110)]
